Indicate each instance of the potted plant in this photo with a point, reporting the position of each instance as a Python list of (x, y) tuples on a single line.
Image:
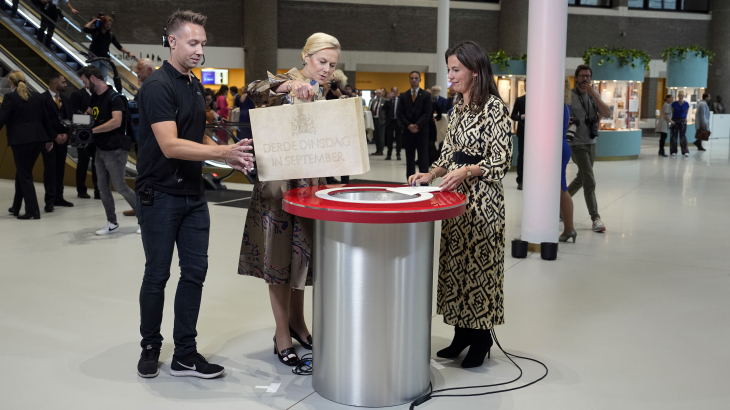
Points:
[(617, 63), (687, 66), (503, 64)]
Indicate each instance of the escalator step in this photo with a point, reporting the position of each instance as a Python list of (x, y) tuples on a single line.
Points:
[(61, 56), (74, 66), (30, 30)]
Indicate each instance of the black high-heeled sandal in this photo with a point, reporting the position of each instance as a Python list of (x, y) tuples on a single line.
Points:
[(460, 342), (287, 356), (480, 346), (307, 345)]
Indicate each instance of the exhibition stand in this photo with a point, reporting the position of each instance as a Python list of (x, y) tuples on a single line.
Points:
[(619, 136), (688, 75), (373, 280)]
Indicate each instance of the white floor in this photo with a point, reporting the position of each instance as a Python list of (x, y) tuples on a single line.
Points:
[(636, 318)]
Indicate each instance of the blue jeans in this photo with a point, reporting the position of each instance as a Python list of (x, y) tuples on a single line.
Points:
[(103, 67), (170, 220)]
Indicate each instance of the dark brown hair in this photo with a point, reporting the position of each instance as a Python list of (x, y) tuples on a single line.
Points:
[(474, 58), (221, 90), (583, 67)]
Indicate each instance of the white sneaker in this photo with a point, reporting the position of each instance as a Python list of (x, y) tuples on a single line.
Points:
[(598, 226), (686, 155), (108, 228), (674, 154), (139, 229)]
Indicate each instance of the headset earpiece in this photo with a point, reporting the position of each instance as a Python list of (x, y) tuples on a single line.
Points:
[(165, 41)]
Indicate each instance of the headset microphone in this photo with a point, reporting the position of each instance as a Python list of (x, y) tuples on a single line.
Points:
[(165, 41), (203, 60)]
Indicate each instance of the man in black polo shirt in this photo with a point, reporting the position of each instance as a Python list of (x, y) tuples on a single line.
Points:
[(171, 204)]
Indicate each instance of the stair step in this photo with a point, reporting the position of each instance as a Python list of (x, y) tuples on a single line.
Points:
[(74, 66), (62, 56)]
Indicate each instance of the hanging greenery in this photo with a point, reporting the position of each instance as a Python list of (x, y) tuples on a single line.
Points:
[(681, 53), (501, 58), (624, 56)]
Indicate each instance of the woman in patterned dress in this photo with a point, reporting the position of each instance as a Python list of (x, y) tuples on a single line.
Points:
[(277, 246), (477, 154)]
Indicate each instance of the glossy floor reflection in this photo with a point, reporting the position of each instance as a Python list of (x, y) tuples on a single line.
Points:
[(635, 318)]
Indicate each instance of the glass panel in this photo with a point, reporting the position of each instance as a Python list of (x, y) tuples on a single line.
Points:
[(624, 100), (663, 4), (696, 5), (638, 4)]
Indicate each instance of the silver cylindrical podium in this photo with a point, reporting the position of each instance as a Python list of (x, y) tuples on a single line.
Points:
[(372, 312)]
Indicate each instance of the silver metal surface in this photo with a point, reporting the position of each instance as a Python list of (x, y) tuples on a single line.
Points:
[(372, 312), (364, 195)]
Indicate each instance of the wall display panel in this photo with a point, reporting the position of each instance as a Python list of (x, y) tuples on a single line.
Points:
[(624, 100)]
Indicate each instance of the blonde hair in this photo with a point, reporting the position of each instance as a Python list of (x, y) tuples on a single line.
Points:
[(179, 18), (17, 78), (340, 77), (317, 42), (568, 92)]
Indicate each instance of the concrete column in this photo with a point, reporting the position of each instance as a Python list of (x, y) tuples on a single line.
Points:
[(718, 80), (648, 97), (260, 37), (513, 26), (442, 44), (546, 44), (430, 80)]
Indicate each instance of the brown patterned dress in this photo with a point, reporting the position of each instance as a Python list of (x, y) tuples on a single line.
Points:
[(277, 246), (470, 290)]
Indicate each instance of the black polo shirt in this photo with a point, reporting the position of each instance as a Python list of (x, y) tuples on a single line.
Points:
[(185, 104)]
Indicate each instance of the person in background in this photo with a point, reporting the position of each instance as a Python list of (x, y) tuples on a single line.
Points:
[(348, 90), (415, 113), (566, 201), (394, 129), (236, 97), (50, 10), (664, 122), (518, 116), (145, 67), (376, 108), (587, 107), (221, 102), (86, 155), (717, 106), (29, 132), (475, 158), (58, 107), (333, 88), (101, 38), (679, 126), (702, 118), (14, 9), (244, 116), (437, 99), (433, 152)]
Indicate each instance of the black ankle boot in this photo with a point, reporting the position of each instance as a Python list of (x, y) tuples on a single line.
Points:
[(460, 342), (479, 347)]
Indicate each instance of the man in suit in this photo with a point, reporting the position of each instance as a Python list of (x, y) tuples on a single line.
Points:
[(518, 116), (394, 129), (80, 101), (376, 108), (437, 99), (415, 112), (58, 107)]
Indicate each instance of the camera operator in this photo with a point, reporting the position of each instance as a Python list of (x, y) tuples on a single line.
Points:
[(50, 10), (58, 108), (587, 107), (101, 39), (86, 155), (112, 145), (172, 207)]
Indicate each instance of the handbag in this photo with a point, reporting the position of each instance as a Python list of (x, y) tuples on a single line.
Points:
[(702, 135)]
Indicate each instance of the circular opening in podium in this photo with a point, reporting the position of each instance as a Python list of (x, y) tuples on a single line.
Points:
[(370, 196)]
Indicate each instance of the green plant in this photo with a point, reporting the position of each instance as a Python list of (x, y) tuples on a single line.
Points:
[(501, 58), (681, 53), (624, 56)]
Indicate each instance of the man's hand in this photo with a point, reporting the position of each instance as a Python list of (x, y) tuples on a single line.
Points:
[(413, 128), (237, 157), (61, 138), (49, 146), (131, 55)]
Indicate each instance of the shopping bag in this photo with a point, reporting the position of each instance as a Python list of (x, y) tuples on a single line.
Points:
[(317, 139)]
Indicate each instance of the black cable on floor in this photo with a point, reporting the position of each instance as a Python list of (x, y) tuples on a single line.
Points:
[(430, 395), (305, 365)]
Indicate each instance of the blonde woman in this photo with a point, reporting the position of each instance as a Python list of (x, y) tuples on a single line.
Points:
[(277, 246), (566, 201), (29, 132)]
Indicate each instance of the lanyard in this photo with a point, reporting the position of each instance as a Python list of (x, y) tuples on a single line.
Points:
[(583, 104)]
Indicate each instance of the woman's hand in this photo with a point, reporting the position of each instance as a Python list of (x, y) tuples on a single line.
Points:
[(420, 178), (302, 90), (453, 179)]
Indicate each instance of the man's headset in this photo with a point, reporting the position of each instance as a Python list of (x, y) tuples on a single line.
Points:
[(166, 42)]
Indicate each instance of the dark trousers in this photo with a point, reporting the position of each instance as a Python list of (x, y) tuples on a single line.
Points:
[(173, 220), (662, 141), (678, 129), (520, 156), (25, 156), (85, 156), (54, 167), (393, 132), (47, 26), (417, 142), (14, 9), (379, 135)]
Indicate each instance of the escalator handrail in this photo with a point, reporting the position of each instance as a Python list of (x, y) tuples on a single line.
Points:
[(79, 47), (25, 69)]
